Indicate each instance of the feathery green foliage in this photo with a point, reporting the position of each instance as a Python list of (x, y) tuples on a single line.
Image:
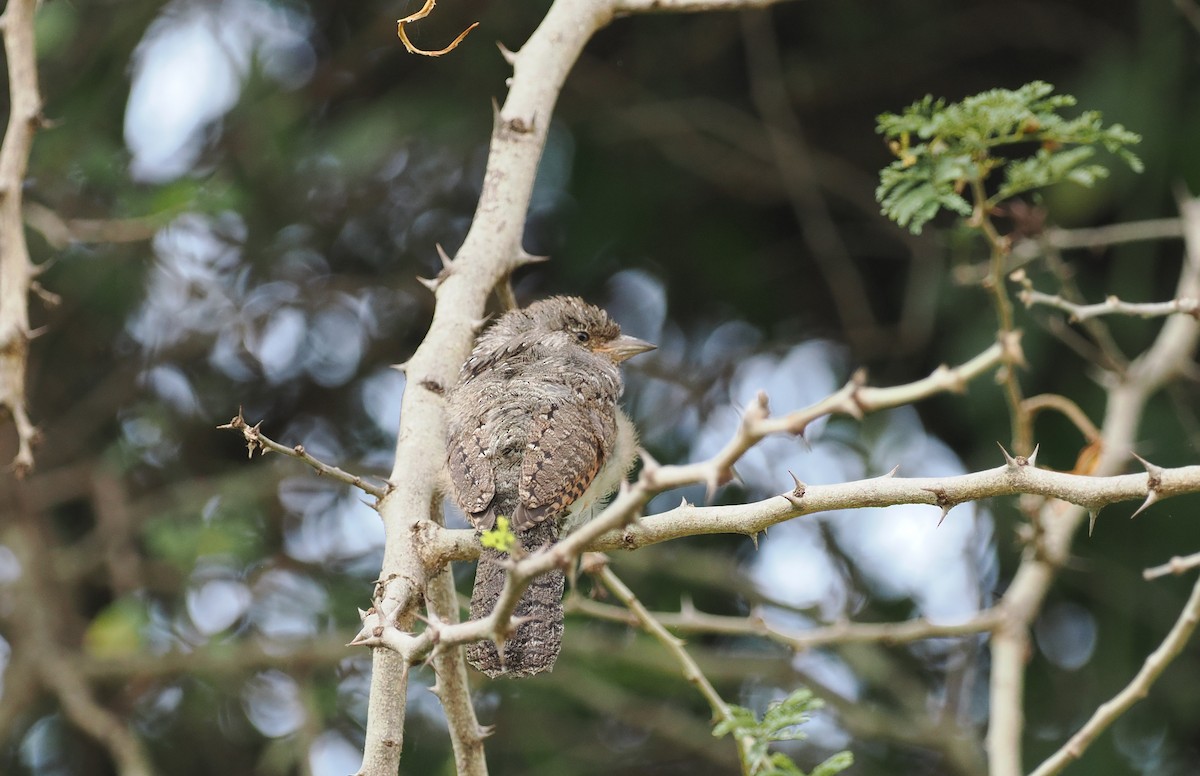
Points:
[(779, 723), (945, 149)]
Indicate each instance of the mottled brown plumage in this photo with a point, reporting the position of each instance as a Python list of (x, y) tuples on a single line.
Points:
[(534, 434)]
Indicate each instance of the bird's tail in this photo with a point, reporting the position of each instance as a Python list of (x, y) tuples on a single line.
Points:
[(534, 646)]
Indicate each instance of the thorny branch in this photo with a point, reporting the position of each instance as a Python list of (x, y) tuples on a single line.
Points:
[(256, 440)]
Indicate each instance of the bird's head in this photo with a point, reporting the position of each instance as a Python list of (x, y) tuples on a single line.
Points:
[(568, 322)]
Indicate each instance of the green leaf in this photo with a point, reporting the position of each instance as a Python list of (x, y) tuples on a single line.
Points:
[(499, 538), (779, 722), (835, 764), (944, 149)]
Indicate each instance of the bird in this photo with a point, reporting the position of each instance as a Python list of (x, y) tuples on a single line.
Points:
[(535, 435)]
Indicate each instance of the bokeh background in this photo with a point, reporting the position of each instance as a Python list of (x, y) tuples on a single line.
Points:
[(274, 176)]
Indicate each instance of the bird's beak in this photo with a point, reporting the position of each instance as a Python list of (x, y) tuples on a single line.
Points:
[(624, 347)]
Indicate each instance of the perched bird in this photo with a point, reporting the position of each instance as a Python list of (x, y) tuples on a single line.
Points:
[(534, 434)]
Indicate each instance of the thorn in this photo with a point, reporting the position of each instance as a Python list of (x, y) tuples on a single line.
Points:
[(483, 731), (684, 503), (446, 262), (945, 511), (795, 496), (1151, 498), (710, 488), (509, 55), (430, 283), (402, 367), (523, 257), (1092, 515), (754, 538), (1008, 459), (363, 614), (1032, 460), (478, 324), (1155, 472)]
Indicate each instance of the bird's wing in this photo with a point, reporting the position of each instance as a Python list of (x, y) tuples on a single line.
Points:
[(472, 473), (566, 450)]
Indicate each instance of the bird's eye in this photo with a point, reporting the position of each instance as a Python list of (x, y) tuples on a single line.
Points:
[(582, 336)]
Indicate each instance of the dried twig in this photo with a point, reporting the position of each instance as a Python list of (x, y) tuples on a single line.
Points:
[(421, 14)]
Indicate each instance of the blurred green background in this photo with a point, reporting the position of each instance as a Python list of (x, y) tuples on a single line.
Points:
[(277, 175)]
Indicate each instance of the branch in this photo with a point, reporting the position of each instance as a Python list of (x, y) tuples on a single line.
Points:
[(1137, 689), (16, 269), (256, 440), (855, 399), (1111, 306), (1175, 565), (614, 527), (690, 620)]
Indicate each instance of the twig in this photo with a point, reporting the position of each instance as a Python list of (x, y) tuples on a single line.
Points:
[(691, 671), (689, 620), (1176, 565), (1064, 406), (256, 440), (1133, 692), (855, 399), (424, 11), (1112, 306)]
